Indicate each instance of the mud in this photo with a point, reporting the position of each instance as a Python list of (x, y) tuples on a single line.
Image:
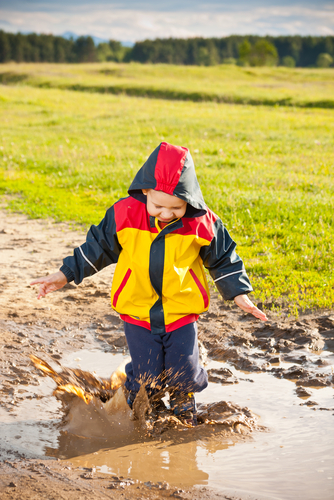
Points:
[(78, 319), (108, 398)]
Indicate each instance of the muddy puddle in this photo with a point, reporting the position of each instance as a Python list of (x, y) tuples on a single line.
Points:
[(289, 456)]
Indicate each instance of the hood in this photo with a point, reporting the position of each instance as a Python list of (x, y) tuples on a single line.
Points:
[(170, 169)]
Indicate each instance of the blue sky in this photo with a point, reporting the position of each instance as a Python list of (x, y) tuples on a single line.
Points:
[(138, 20)]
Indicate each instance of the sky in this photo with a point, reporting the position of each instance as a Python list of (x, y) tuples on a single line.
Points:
[(135, 20)]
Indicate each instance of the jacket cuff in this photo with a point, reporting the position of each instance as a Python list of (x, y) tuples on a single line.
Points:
[(233, 285), (68, 273), (240, 293)]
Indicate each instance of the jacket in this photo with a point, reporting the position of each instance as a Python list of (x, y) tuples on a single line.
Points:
[(159, 281)]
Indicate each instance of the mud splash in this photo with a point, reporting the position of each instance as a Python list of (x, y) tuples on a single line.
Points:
[(84, 385), (107, 399)]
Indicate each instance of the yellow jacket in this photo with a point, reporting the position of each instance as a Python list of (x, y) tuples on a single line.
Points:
[(160, 281)]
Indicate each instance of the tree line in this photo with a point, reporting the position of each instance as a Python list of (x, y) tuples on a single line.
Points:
[(300, 51), (49, 48)]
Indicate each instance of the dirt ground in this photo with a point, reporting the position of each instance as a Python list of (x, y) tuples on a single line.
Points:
[(58, 324)]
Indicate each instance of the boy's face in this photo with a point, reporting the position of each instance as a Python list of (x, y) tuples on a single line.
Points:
[(164, 206)]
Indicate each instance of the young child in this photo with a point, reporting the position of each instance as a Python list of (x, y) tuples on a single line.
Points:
[(161, 236)]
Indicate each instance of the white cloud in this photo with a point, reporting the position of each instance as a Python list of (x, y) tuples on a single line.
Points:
[(106, 22)]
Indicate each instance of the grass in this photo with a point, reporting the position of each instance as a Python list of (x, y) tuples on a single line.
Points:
[(267, 171), (300, 87)]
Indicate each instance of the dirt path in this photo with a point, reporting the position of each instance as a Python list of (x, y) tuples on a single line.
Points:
[(81, 318)]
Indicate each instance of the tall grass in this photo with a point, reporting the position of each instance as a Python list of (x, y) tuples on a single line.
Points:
[(267, 171)]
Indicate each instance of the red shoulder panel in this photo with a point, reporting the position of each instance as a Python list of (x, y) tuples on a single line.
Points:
[(201, 226), (169, 167), (132, 213)]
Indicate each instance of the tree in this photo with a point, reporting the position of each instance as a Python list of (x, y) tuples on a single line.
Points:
[(4, 47), (245, 49), (329, 45), (163, 52), (141, 51), (18, 48), (46, 48), (207, 54), (263, 53), (103, 52), (213, 53), (117, 51), (60, 49), (324, 60), (309, 51), (84, 48), (287, 46), (180, 50), (111, 51), (288, 61), (32, 53)]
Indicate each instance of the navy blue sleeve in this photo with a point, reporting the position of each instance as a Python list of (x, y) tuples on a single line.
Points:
[(100, 250), (224, 265)]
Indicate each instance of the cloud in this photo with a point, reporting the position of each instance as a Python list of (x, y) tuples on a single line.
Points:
[(105, 21), (149, 5)]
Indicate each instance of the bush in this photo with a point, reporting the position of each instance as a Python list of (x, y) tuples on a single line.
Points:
[(288, 61), (324, 60), (263, 53), (229, 60), (111, 51)]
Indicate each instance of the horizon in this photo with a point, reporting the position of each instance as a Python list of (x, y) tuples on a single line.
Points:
[(127, 43)]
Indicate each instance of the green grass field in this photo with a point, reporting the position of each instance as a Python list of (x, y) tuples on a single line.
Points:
[(266, 170)]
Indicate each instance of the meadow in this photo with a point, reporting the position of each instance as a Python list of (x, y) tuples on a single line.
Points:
[(300, 87), (266, 170)]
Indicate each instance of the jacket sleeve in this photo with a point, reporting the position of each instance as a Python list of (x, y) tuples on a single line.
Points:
[(100, 250), (225, 266)]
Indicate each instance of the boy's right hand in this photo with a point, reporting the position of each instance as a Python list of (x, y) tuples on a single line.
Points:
[(50, 283)]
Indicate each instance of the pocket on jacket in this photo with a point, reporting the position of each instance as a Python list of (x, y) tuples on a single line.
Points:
[(121, 286), (201, 288)]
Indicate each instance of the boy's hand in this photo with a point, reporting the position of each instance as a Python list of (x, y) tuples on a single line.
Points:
[(247, 305), (50, 283)]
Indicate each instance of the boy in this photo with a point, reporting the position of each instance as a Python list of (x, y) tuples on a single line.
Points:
[(161, 235)]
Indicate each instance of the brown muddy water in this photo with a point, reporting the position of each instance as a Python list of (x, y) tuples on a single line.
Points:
[(291, 457)]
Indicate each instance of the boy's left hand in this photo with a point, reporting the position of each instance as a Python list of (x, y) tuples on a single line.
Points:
[(247, 305)]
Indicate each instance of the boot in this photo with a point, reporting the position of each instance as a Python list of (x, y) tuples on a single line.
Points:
[(184, 407), (131, 397)]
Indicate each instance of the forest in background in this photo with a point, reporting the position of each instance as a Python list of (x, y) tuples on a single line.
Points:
[(252, 50)]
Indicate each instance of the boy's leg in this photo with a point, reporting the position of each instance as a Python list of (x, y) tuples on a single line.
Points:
[(182, 367), (183, 371), (147, 360)]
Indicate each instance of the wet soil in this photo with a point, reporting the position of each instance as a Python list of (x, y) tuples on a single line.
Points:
[(80, 318)]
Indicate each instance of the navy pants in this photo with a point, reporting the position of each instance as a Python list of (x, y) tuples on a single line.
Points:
[(167, 359)]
